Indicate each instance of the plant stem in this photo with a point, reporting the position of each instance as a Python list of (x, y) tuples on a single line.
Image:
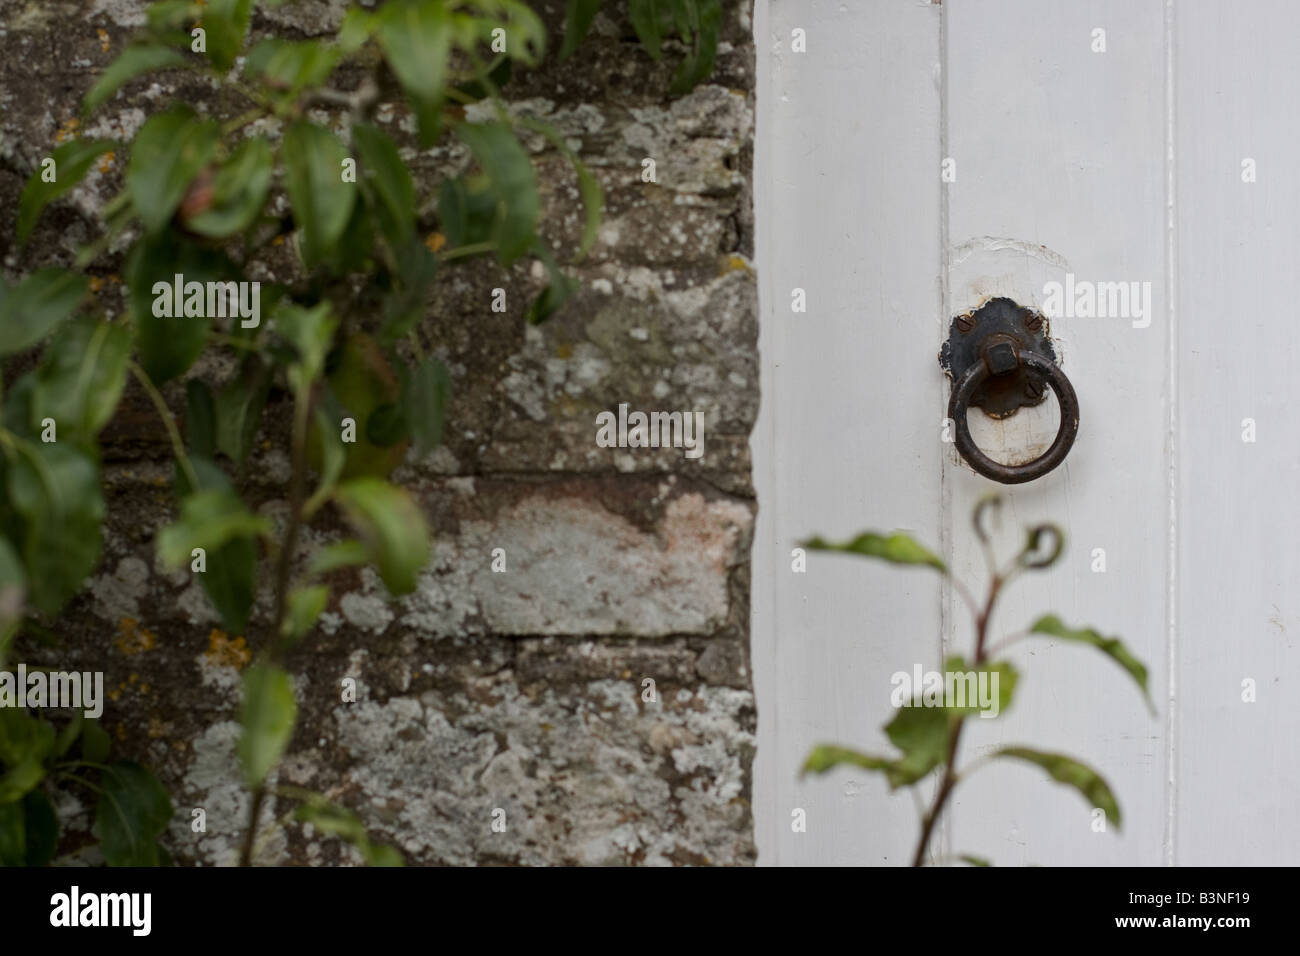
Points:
[(940, 797), (242, 120), (982, 623), (169, 423), (246, 851), (949, 779), (471, 249), (283, 569)]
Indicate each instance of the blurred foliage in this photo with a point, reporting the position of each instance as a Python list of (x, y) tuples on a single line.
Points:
[(196, 201)]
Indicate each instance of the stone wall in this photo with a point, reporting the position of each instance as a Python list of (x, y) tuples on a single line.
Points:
[(519, 690)]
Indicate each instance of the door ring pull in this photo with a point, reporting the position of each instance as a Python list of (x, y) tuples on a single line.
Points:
[(999, 357), (959, 406)]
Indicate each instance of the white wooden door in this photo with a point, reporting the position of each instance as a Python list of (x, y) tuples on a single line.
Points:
[(1137, 141)]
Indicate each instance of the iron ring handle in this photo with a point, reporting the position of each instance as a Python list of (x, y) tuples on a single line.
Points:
[(958, 407)]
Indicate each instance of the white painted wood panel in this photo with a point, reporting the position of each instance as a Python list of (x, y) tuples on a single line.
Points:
[(1239, 569), (848, 137), (1061, 150), (1115, 166)]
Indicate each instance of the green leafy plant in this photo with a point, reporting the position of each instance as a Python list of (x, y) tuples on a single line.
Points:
[(927, 737), (306, 185), (696, 24)]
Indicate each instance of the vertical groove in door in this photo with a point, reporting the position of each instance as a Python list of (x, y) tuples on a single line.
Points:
[(947, 632), (1171, 305)]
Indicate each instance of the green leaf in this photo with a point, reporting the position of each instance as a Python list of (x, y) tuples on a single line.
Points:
[(355, 248), (1069, 771), (16, 409), (169, 151), (95, 742), (525, 34), (305, 605), (239, 191), (513, 183), (331, 819), (169, 344), (824, 757), (386, 425), (684, 16), (13, 834), (41, 828), (1035, 555), (230, 575), (333, 454), (922, 734), (230, 582), (898, 548), (172, 14), (29, 831), (577, 24), (133, 811), (19, 779), (392, 527), (560, 289), (25, 743), (340, 554), (1112, 647), (267, 717), (226, 22), (210, 477), (593, 202), (356, 29), (379, 854), (321, 200), (55, 487), (23, 737), (134, 61), (362, 384), (238, 408), (310, 331), (72, 161), (13, 592), (31, 310), (81, 377), (70, 733), (973, 860), (646, 16), (416, 38), (208, 519), (1007, 678), (702, 45), (386, 183), (200, 419), (549, 300), (404, 305), (338, 821), (466, 211), (426, 392), (486, 85), (290, 67)]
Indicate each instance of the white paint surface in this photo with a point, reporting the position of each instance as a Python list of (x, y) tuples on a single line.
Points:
[(1115, 166)]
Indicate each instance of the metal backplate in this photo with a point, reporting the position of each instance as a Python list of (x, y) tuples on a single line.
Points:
[(999, 326)]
